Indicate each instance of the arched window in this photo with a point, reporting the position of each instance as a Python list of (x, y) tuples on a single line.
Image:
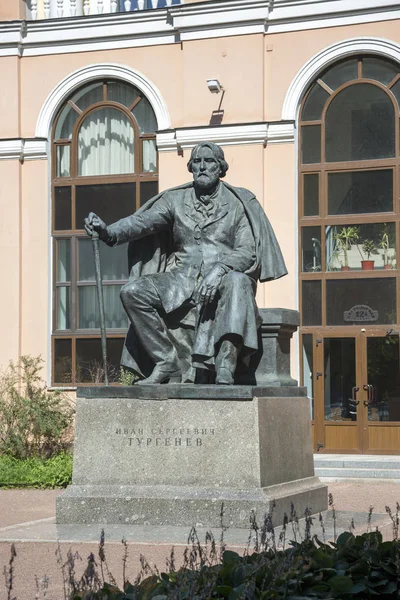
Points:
[(105, 161)]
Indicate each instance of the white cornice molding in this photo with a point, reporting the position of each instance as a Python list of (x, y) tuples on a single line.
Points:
[(23, 149), (58, 95), (217, 18), (226, 135), (327, 56)]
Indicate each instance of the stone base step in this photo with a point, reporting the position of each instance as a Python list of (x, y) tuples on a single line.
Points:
[(357, 466)]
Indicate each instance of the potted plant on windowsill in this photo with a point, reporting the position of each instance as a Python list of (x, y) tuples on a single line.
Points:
[(368, 248), (384, 243), (344, 240)]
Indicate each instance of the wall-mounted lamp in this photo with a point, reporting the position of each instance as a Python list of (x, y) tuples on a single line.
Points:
[(214, 86)]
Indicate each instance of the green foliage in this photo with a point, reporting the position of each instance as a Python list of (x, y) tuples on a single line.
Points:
[(369, 248), (126, 377), (355, 567), (33, 420), (35, 472)]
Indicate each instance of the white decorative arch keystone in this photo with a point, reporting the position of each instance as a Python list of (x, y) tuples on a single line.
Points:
[(98, 71), (319, 62)]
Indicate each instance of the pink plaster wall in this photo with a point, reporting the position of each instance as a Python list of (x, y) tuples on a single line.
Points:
[(9, 260), (35, 264), (9, 97)]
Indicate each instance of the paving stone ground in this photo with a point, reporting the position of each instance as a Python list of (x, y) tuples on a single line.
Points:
[(27, 519)]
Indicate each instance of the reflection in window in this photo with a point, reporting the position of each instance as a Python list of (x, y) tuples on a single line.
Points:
[(110, 201), (311, 249), (311, 303), (308, 369), (340, 378), (360, 125), (384, 377), (341, 73), (311, 194), (361, 301), (89, 361), (355, 247), (106, 143), (354, 192), (314, 104), (378, 69), (311, 144)]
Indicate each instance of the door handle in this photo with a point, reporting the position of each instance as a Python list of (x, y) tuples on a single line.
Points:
[(371, 394), (354, 391)]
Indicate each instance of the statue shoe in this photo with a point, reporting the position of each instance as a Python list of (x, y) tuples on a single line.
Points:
[(161, 374), (224, 376)]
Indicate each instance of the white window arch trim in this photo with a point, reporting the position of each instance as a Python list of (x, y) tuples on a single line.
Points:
[(328, 56), (98, 71)]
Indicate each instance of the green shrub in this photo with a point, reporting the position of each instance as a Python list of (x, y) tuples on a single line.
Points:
[(355, 567), (33, 420), (35, 472)]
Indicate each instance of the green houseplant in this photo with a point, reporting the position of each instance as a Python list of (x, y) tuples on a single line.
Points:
[(368, 248), (344, 240)]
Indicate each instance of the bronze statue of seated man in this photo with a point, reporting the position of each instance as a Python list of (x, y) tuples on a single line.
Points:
[(196, 253)]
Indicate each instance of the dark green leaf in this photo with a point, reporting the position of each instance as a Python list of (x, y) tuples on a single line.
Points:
[(340, 584)]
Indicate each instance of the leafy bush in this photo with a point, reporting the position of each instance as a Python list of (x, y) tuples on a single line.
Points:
[(35, 472), (358, 567), (33, 420)]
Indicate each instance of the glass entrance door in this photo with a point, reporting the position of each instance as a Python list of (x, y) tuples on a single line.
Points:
[(354, 385)]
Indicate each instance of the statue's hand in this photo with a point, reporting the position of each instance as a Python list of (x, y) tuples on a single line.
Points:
[(208, 288), (93, 223)]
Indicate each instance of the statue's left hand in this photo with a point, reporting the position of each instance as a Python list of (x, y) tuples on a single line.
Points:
[(208, 288)]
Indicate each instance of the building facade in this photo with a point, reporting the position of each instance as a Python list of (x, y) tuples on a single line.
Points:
[(101, 103)]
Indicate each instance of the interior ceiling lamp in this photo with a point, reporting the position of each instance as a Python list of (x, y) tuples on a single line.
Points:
[(214, 86)]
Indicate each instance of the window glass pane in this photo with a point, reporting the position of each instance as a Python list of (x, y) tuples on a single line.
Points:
[(311, 248), (64, 260), (63, 361), (311, 144), (378, 69), (149, 156), (357, 301), (357, 192), (340, 378), (396, 91), (63, 308), (145, 116), (360, 125), (353, 247), (121, 92), (88, 95), (111, 202), (114, 262), (62, 208), (106, 143), (384, 377), (148, 189), (63, 161), (311, 194), (341, 73), (308, 369), (315, 103), (89, 360), (65, 123), (116, 317), (311, 302)]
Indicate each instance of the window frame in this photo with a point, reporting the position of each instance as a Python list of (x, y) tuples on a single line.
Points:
[(137, 177)]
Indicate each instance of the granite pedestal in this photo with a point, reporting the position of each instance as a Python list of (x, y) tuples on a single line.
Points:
[(171, 455)]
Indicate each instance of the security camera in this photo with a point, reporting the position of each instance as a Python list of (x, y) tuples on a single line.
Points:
[(214, 86)]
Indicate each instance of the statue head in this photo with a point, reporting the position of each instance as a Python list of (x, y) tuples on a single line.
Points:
[(207, 164)]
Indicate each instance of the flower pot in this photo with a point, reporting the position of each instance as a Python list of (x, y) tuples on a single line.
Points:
[(387, 267), (367, 265), (342, 268)]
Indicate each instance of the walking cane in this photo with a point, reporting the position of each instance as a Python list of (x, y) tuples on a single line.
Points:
[(96, 253)]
